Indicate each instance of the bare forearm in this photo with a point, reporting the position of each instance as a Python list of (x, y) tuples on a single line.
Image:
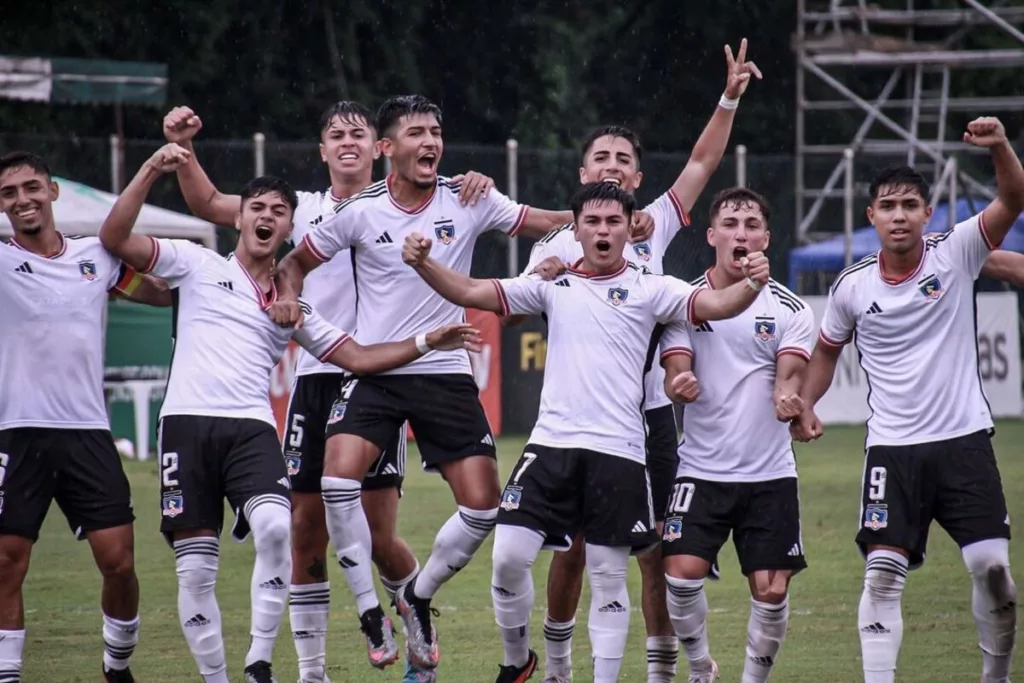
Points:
[(289, 277), (1005, 266), (539, 222), (1009, 176), (460, 289), (820, 371), (202, 197), (704, 158), (375, 358), (116, 232), (725, 303), (151, 292)]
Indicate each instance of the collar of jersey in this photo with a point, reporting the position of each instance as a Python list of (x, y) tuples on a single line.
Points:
[(416, 209), (899, 281), (261, 297), (574, 269), (58, 254)]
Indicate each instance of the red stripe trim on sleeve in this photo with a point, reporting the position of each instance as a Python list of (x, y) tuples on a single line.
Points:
[(502, 298), (691, 308), (792, 351), (828, 342), (520, 219), (313, 250), (334, 347), (684, 218), (676, 351), (154, 258), (984, 233)]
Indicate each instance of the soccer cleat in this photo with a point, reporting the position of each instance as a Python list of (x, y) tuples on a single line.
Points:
[(118, 675), (318, 679), (259, 672), (518, 674), (558, 679), (705, 676), (381, 647), (416, 674), (420, 635)]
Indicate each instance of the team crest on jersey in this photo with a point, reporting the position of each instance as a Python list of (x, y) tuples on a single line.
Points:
[(764, 328), (511, 498), (173, 504), (876, 517), (618, 295), (444, 229), (87, 269), (931, 287), (673, 529), (294, 462), (643, 250), (337, 411)]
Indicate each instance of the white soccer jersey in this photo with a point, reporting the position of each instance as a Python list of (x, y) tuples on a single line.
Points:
[(669, 218), (599, 331), (225, 344), (730, 432), (52, 332), (330, 289), (394, 303), (917, 339)]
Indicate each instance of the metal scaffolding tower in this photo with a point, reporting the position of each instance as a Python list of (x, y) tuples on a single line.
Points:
[(836, 36)]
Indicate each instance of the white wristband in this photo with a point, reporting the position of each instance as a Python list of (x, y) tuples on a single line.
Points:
[(726, 103), (421, 344), (756, 286)]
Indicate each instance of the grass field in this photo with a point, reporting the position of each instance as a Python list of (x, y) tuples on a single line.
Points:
[(63, 621)]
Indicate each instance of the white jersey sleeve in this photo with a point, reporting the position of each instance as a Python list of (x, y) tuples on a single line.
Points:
[(798, 334), (495, 211), (676, 340), (838, 322), (560, 242), (669, 218), (523, 295), (335, 233), (672, 299), (966, 246), (175, 260), (316, 335)]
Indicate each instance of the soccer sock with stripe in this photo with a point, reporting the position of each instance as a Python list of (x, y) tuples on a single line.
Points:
[(688, 610), (662, 657), (456, 542), (197, 560), (766, 630), (350, 534), (270, 518), (880, 616), (558, 647), (309, 607), (392, 587), (994, 605), (11, 645), (119, 640), (515, 550), (607, 568)]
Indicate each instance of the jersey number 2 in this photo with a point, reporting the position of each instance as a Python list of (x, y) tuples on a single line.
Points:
[(169, 466)]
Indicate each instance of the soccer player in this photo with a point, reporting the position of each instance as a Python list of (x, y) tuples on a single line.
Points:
[(437, 394), (348, 146), (910, 309), (612, 154), (55, 441), (217, 435), (584, 468), (737, 472)]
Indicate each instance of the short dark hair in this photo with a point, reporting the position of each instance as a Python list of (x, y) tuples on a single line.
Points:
[(268, 183), (394, 108), (597, 192), (616, 132), (739, 196), (19, 159), (346, 110), (896, 177)]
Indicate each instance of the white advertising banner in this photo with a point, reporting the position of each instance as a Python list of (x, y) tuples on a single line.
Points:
[(998, 355)]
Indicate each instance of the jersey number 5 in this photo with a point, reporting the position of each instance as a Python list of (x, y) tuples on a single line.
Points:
[(295, 438), (682, 496), (876, 483), (169, 466)]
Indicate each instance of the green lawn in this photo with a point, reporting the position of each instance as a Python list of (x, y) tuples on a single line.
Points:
[(64, 643)]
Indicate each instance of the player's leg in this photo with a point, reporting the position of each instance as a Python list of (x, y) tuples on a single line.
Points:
[(565, 585), (972, 508), (896, 513), (192, 513), (454, 438), (539, 508), (662, 464), (697, 523), (26, 489), (309, 599), (770, 549), (618, 519)]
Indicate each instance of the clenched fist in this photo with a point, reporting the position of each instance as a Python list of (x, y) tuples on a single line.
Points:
[(415, 249), (755, 266), (684, 388), (181, 125), (169, 158)]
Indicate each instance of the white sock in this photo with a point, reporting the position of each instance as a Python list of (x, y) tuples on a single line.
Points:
[(197, 560), (309, 607), (994, 605), (662, 656), (119, 641), (558, 647), (456, 542), (11, 645), (392, 587), (515, 549), (766, 630), (688, 609), (270, 518), (880, 616), (607, 568), (350, 534)]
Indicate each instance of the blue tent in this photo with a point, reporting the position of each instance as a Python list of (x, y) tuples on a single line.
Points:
[(829, 254)]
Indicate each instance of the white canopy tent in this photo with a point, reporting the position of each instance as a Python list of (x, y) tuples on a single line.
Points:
[(81, 210)]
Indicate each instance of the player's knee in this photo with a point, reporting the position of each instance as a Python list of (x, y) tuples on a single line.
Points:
[(117, 566), (14, 560), (685, 567), (509, 563), (883, 586), (196, 566), (989, 564), (271, 528), (478, 523), (607, 567), (572, 561)]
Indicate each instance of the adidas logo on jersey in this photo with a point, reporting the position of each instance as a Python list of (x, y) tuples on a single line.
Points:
[(639, 528), (795, 551), (227, 285), (197, 620), (488, 440), (614, 606), (874, 308), (390, 469), (385, 239), (274, 584), (24, 268), (704, 327), (562, 283)]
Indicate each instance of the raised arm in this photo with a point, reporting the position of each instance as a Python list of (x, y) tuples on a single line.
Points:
[(999, 216), (718, 304), (1005, 266), (116, 234), (204, 200), (457, 288)]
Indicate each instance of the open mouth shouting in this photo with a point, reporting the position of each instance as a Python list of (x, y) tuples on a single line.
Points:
[(604, 247), (427, 162), (264, 233), (738, 253)]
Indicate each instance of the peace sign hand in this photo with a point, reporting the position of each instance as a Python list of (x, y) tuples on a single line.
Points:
[(740, 71)]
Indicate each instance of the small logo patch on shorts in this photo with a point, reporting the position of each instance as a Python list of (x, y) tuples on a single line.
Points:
[(511, 498), (673, 529), (173, 504), (294, 462), (876, 517), (337, 412)]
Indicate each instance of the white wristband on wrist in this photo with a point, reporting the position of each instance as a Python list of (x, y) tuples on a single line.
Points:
[(756, 286), (726, 103), (421, 344)]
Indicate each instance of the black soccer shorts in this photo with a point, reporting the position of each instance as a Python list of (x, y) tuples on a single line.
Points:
[(443, 410), (79, 468), (204, 460), (662, 455), (763, 517), (316, 400), (956, 482), (562, 491)]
